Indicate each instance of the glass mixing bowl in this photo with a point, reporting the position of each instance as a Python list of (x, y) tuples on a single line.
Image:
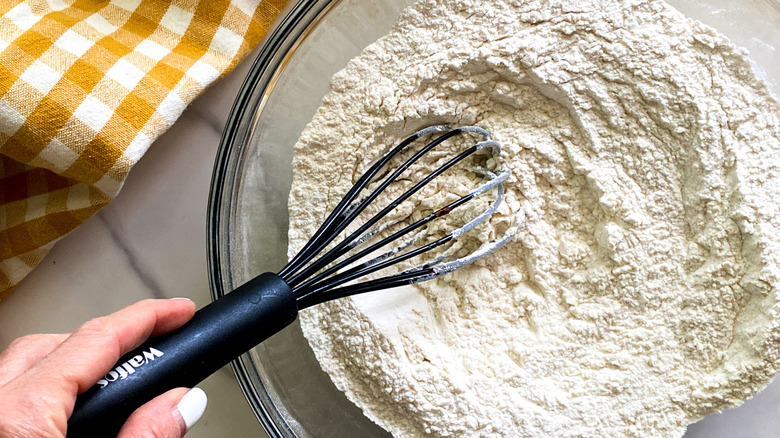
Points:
[(289, 393)]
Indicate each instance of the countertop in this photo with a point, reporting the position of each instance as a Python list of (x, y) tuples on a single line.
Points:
[(150, 242)]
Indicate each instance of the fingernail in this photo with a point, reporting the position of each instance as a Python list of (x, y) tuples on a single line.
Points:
[(192, 405), (181, 298)]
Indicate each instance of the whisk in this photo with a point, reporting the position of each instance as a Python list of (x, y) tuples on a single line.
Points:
[(326, 268)]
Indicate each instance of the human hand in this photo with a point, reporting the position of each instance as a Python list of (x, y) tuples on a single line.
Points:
[(41, 375)]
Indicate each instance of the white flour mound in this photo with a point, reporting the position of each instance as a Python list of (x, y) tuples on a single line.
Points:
[(640, 293)]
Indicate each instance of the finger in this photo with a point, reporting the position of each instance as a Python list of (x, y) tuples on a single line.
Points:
[(167, 416), (87, 354), (24, 352)]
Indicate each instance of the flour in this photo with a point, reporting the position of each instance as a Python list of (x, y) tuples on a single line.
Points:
[(640, 293)]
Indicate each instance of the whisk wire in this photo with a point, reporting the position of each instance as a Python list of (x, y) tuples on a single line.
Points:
[(323, 232), (330, 226), (338, 249), (368, 268), (327, 277), (441, 212), (411, 275)]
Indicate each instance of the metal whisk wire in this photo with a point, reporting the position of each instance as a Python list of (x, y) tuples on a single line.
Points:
[(315, 280)]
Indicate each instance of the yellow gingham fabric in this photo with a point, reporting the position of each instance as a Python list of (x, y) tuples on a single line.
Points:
[(85, 87)]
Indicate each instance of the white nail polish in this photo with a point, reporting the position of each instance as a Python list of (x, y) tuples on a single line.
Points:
[(192, 405)]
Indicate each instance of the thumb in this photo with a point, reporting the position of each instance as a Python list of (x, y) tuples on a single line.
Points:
[(170, 415)]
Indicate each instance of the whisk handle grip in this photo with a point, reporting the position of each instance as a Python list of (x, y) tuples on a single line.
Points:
[(217, 334)]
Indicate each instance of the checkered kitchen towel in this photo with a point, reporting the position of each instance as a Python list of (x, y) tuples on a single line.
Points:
[(85, 87)]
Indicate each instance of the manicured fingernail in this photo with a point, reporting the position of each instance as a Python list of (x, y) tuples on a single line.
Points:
[(181, 298), (192, 405)]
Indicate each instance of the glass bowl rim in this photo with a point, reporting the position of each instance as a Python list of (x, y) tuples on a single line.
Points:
[(254, 91)]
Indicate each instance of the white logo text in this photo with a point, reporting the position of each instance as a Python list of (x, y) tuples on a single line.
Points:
[(122, 371)]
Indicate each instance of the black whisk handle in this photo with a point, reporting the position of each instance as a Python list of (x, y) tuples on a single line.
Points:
[(217, 334)]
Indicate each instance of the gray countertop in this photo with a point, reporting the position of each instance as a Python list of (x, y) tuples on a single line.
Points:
[(151, 242)]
